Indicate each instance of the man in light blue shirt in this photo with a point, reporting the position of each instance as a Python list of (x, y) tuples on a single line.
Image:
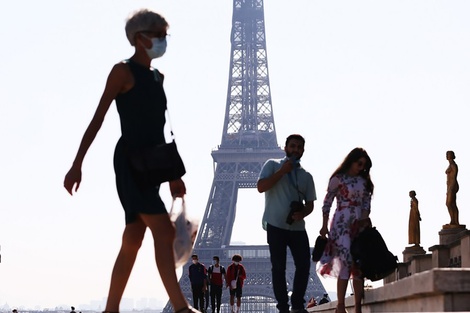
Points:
[(289, 194)]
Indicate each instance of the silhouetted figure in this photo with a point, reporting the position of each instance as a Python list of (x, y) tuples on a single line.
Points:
[(414, 236), (198, 277), (73, 309), (236, 275), (138, 92), (311, 303), (452, 188), (216, 275), (324, 299)]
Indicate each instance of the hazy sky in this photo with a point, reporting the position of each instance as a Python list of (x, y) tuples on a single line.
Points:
[(390, 76)]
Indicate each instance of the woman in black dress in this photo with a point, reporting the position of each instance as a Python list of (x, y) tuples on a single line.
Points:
[(140, 99)]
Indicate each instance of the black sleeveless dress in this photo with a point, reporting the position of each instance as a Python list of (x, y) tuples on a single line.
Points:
[(142, 114)]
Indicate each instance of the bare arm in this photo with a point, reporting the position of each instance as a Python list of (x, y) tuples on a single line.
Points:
[(115, 83), (327, 202), (267, 183), (324, 230), (297, 216)]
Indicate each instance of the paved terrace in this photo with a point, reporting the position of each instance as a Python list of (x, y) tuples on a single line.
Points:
[(435, 290)]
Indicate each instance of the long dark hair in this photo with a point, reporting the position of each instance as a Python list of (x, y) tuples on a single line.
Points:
[(352, 157)]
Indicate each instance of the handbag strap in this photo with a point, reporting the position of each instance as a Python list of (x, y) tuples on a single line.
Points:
[(159, 79), (296, 185)]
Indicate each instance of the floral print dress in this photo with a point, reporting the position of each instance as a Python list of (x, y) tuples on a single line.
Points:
[(352, 198)]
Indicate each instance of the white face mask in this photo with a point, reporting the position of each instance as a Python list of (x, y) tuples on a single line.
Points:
[(236, 263), (158, 47), (194, 261)]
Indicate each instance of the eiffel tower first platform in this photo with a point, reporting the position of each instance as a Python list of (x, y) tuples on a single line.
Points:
[(248, 140)]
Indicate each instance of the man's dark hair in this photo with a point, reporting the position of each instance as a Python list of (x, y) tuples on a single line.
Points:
[(295, 136), (237, 258), (216, 258), (194, 256)]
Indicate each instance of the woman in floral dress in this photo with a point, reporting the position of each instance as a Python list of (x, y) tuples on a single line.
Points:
[(352, 187)]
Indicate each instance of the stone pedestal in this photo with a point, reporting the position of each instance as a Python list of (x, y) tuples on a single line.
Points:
[(454, 247), (436, 290), (440, 256), (409, 252), (465, 250), (450, 233)]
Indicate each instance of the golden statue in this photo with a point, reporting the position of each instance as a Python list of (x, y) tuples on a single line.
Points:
[(452, 188), (414, 236)]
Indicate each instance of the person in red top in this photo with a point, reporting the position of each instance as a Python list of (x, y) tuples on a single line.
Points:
[(216, 273), (236, 274)]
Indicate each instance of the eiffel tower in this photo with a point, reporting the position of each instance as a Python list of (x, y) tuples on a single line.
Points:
[(248, 140)]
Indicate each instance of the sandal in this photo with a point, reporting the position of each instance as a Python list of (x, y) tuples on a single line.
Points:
[(188, 309)]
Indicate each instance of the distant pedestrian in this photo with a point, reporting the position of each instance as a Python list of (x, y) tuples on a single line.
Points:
[(236, 275), (324, 299), (198, 279), (216, 274), (289, 194), (311, 303), (73, 309)]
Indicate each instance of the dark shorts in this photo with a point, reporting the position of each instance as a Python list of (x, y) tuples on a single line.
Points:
[(134, 200), (236, 292)]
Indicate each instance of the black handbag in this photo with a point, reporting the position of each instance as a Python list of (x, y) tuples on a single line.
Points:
[(155, 165), (370, 253), (319, 248)]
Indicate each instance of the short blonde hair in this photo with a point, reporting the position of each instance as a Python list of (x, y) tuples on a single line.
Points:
[(142, 20)]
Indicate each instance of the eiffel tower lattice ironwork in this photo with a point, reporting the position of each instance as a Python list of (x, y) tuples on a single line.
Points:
[(248, 140)]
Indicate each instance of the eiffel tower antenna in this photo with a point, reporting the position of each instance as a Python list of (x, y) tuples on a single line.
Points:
[(248, 140)]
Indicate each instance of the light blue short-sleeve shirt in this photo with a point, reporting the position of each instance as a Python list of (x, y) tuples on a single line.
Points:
[(280, 196)]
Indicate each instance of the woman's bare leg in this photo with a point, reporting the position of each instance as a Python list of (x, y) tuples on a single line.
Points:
[(163, 233), (341, 290), (131, 243), (358, 285)]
